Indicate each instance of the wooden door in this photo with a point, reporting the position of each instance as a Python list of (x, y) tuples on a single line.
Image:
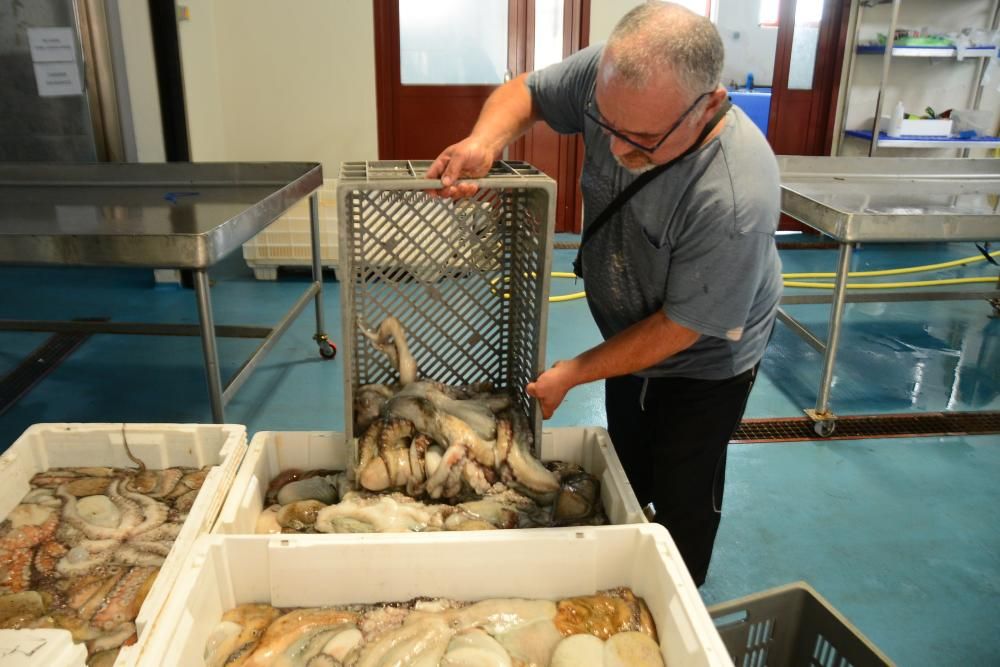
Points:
[(559, 156), (803, 102), (419, 118)]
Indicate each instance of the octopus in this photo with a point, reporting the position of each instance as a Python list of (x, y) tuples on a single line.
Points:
[(31, 526), (493, 633), (425, 438), (83, 548), (359, 511), (123, 526)]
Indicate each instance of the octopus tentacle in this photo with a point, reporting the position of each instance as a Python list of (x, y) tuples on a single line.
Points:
[(452, 457), (130, 510), (390, 339), (131, 554), (125, 598), (166, 531), (476, 477), (368, 445), (112, 639), (527, 469), (154, 513)]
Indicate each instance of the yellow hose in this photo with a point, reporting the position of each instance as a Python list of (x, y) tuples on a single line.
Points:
[(896, 272), (789, 278), (912, 283)]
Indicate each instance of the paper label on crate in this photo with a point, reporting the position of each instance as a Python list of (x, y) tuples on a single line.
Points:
[(52, 45), (58, 79)]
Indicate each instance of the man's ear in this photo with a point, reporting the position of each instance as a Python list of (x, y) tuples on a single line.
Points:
[(715, 102)]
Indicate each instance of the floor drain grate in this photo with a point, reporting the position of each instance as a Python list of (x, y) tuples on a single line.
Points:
[(36, 366), (797, 429)]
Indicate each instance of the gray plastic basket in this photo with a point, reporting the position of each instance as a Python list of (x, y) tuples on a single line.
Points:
[(792, 626), (467, 278)]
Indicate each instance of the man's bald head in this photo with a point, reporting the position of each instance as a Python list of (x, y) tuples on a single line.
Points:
[(662, 37)]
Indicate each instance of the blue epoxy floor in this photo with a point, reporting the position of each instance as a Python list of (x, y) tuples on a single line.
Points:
[(903, 536)]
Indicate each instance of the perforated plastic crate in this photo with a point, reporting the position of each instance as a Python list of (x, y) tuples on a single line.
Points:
[(792, 626), (286, 241), (467, 278)]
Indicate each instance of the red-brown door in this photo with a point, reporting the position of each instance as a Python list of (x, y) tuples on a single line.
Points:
[(807, 67), (427, 101)]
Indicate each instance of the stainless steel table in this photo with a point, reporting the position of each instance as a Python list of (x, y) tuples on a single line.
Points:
[(176, 216), (884, 200)]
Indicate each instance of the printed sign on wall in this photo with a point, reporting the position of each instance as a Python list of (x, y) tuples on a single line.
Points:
[(53, 52)]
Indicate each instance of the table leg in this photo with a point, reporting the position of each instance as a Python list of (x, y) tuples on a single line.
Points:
[(833, 339), (208, 345), (326, 349)]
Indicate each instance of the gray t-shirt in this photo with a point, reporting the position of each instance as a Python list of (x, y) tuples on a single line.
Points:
[(696, 242)]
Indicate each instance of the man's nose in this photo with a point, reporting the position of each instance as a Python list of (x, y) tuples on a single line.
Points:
[(619, 147)]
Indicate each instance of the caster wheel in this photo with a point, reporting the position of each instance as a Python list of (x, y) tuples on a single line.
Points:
[(327, 350), (825, 429)]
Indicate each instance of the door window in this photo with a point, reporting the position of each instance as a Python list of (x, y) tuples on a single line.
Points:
[(456, 42)]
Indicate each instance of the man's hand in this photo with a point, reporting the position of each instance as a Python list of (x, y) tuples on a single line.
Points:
[(469, 158), (552, 385)]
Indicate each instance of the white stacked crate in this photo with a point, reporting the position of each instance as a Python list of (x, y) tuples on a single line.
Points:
[(46, 446), (272, 452), (286, 241), (285, 571)]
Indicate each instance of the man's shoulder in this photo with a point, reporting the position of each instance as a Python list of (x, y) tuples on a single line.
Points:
[(740, 184), (746, 151)]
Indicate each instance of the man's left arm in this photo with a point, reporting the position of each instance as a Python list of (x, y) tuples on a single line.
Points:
[(644, 344)]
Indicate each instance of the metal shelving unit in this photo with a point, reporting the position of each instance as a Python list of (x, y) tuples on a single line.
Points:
[(873, 136), (884, 140), (929, 51)]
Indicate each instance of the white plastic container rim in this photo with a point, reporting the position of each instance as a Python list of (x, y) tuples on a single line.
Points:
[(223, 571), (271, 452), (45, 446)]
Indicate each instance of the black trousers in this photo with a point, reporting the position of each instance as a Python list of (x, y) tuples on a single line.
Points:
[(672, 441)]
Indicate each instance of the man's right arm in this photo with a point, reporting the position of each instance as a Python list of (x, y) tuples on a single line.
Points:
[(507, 114)]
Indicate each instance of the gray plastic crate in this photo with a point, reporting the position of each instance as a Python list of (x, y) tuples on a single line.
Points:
[(792, 626), (467, 278)]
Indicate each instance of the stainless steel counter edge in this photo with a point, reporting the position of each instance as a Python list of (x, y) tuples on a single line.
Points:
[(177, 251)]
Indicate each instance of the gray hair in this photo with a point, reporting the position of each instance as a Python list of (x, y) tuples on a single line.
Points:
[(662, 35)]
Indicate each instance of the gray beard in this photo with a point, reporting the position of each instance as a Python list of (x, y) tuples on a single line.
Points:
[(635, 171)]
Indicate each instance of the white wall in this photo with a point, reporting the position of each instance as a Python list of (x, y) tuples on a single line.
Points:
[(199, 45), (604, 14), (749, 48), (917, 82), (268, 80), (140, 70)]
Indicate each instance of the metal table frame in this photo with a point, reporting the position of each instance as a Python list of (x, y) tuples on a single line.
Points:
[(198, 251), (803, 178)]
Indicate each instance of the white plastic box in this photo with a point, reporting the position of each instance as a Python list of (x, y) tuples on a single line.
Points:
[(223, 571), (920, 127), (46, 446), (270, 452), (286, 241)]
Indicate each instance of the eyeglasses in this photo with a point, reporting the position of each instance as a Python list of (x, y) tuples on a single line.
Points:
[(594, 114)]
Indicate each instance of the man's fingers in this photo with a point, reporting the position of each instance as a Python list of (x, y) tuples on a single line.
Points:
[(530, 390), (452, 170), (434, 171), (465, 189)]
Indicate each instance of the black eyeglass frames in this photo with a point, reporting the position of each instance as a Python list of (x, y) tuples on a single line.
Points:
[(594, 114)]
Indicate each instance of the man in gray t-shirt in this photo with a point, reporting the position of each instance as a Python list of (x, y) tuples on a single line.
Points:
[(684, 279)]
